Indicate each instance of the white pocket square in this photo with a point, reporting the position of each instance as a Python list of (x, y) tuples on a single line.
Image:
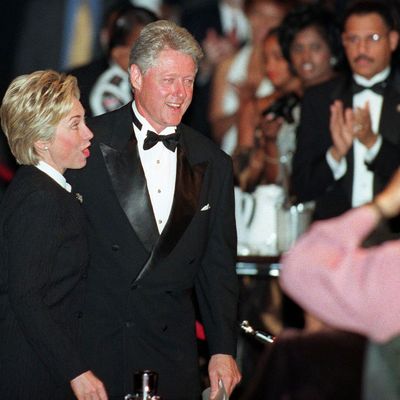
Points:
[(206, 207)]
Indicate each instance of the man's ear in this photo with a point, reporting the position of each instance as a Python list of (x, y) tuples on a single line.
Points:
[(393, 40), (135, 76)]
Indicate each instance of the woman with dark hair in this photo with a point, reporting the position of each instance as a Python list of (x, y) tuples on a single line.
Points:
[(309, 45), (258, 144), (310, 41), (241, 76)]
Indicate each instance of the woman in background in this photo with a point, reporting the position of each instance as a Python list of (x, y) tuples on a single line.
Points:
[(308, 53), (43, 244), (242, 75), (258, 152), (310, 41)]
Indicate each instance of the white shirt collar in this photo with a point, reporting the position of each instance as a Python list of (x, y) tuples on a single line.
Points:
[(141, 133), (379, 77), (54, 174)]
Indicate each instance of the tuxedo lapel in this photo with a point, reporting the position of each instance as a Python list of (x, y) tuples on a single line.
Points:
[(390, 115), (129, 183), (189, 182)]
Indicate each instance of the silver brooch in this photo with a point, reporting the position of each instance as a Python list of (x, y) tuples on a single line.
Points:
[(79, 197)]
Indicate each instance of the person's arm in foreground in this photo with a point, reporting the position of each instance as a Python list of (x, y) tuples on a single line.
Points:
[(329, 274)]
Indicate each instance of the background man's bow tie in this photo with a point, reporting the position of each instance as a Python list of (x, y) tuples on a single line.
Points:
[(378, 88), (169, 141)]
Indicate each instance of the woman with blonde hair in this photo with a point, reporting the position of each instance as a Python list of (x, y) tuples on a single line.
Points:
[(43, 244)]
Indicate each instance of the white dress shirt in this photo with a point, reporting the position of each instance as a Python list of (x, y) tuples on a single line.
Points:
[(159, 166), (363, 178), (54, 174)]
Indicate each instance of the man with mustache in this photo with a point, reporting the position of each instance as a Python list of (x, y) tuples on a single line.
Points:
[(348, 142)]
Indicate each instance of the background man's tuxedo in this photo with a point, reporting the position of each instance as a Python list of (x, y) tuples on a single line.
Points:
[(139, 311), (312, 177)]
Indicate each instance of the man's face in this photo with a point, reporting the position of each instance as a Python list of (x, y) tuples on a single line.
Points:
[(368, 43), (164, 92)]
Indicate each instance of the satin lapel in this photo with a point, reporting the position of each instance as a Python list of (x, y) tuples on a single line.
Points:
[(129, 183), (390, 115), (189, 181)]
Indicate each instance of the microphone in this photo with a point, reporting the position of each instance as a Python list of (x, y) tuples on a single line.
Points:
[(261, 336)]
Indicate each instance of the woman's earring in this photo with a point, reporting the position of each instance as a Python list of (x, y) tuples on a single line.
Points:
[(46, 147), (333, 61)]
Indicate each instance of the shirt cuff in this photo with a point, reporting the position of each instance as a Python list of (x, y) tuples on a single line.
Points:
[(338, 168), (373, 151)]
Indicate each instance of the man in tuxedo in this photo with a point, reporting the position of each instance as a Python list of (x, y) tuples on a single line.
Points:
[(348, 142), (159, 199)]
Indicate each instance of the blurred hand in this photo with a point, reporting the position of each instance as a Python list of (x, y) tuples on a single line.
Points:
[(293, 85), (88, 387), (388, 201), (246, 92), (223, 366), (341, 127), (270, 126), (362, 129), (217, 48)]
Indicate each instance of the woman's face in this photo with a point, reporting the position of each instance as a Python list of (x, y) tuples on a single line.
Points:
[(70, 146), (311, 57), (276, 67)]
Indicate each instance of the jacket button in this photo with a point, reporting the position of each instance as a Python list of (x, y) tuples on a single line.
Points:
[(84, 275), (129, 324), (135, 286), (79, 314), (115, 247)]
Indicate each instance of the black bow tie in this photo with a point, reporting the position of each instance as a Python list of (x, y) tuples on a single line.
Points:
[(378, 88), (169, 141)]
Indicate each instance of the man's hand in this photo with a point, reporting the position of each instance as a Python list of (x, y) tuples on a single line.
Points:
[(341, 128), (388, 201), (223, 366), (88, 387), (362, 129)]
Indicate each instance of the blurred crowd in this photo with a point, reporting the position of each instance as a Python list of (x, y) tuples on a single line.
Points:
[(302, 94), (91, 38)]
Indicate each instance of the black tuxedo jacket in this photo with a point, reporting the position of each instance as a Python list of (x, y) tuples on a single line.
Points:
[(44, 254), (139, 312), (312, 177)]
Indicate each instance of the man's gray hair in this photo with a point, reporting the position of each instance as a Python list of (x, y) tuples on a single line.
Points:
[(161, 35)]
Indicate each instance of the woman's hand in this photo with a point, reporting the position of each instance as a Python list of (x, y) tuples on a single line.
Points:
[(88, 387), (270, 127)]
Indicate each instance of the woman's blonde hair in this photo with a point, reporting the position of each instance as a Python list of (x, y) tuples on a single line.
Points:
[(32, 107)]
